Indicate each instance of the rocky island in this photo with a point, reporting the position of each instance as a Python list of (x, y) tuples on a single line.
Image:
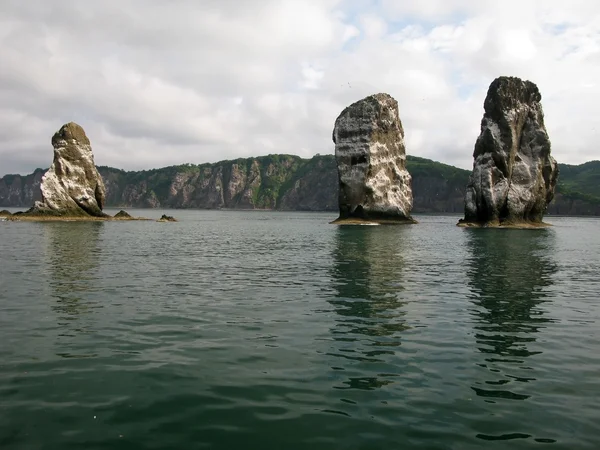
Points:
[(166, 218), (72, 186), (374, 185), (72, 189), (514, 176)]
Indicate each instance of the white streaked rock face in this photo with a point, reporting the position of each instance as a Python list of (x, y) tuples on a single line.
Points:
[(371, 161), (72, 185), (514, 176)]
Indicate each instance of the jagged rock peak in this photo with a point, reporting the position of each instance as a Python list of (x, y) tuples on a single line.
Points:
[(72, 185), (514, 176), (509, 93), (371, 161)]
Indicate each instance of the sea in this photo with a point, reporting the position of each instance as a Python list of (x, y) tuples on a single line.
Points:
[(278, 330)]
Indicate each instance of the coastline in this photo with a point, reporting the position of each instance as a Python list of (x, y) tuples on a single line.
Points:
[(324, 211)]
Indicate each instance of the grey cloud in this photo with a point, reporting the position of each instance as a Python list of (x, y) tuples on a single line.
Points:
[(159, 83)]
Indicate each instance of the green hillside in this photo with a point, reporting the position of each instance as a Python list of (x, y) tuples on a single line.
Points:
[(580, 182), (290, 182), (422, 167)]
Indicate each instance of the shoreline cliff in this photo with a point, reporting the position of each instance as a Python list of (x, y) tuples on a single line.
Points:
[(288, 182)]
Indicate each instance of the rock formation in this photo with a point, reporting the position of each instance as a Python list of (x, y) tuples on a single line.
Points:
[(371, 161), (72, 186), (514, 176)]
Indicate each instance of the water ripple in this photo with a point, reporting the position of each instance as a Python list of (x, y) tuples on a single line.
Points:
[(276, 330)]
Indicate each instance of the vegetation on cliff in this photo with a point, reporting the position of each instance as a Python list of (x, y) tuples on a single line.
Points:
[(582, 181), (289, 182), (578, 190)]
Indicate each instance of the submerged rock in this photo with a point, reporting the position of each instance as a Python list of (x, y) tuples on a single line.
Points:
[(72, 186), (371, 161), (514, 176)]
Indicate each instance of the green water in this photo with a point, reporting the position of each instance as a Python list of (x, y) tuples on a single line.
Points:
[(266, 330)]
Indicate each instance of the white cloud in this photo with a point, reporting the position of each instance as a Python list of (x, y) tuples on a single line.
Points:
[(373, 26), (311, 76), (157, 83)]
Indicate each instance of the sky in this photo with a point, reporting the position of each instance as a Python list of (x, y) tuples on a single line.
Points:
[(157, 83)]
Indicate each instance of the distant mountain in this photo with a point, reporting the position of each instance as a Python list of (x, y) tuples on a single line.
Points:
[(287, 182)]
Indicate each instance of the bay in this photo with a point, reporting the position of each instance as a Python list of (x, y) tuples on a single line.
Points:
[(258, 329)]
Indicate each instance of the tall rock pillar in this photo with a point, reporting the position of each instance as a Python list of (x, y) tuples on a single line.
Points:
[(370, 154)]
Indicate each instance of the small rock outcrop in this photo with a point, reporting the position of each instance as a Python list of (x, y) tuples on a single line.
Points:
[(165, 218), (514, 176), (5, 213), (72, 186), (122, 215), (374, 184)]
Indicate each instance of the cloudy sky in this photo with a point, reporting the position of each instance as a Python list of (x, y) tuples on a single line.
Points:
[(157, 83)]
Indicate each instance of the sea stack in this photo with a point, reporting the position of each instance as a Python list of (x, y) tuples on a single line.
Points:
[(514, 176), (72, 186), (371, 160)]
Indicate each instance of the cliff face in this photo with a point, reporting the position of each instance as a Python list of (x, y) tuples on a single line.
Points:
[(308, 185), (270, 182), (21, 190), (574, 205), (315, 188)]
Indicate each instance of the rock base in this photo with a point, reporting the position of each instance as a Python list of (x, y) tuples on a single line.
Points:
[(357, 221), (513, 225)]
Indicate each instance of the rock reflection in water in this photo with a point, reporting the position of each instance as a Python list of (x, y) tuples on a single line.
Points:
[(71, 255), (367, 277), (509, 271)]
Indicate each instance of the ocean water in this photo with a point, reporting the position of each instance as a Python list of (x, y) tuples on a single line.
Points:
[(272, 330)]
